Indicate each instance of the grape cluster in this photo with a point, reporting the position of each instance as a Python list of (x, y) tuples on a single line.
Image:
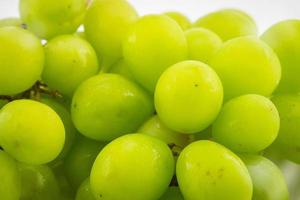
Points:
[(147, 107)]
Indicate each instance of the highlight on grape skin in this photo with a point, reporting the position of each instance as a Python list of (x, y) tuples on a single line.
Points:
[(103, 100)]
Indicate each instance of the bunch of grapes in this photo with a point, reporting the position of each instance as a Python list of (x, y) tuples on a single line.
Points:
[(147, 107)]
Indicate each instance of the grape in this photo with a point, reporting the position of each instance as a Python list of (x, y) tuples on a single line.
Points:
[(172, 193), (38, 183), (80, 159), (31, 132), (202, 44), (242, 57), (80, 34), (84, 192), (180, 18), (249, 123), (156, 128), (70, 131), (2, 103), (268, 181), (228, 23), (134, 166), (49, 18), (123, 69), (69, 60), (10, 187), (11, 21), (154, 43), (284, 38), (21, 60), (99, 113), (288, 140), (196, 92), (208, 171), (106, 25)]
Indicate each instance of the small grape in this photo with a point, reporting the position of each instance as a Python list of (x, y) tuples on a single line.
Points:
[(229, 23), (50, 18), (122, 68), (172, 193), (202, 44), (239, 60), (249, 123), (84, 192), (188, 96), (31, 131), (153, 44), (21, 60), (180, 18), (268, 181), (11, 21), (107, 106), (208, 171), (69, 60), (141, 166)]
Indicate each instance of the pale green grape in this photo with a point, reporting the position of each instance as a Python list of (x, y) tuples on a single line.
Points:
[(21, 60), (132, 167), (84, 192), (11, 21), (249, 123), (106, 25), (107, 106), (288, 140), (246, 65), (69, 60), (188, 96), (78, 163), (122, 68), (70, 131), (284, 38), (49, 18), (180, 18), (268, 180), (31, 131), (10, 187), (154, 43), (38, 183), (208, 171), (228, 23), (172, 193), (156, 128), (202, 44)]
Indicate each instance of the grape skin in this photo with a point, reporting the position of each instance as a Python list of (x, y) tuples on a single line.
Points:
[(180, 18), (84, 192)]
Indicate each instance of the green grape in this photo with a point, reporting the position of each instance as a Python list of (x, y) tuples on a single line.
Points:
[(106, 26), (132, 167), (11, 21), (188, 96), (172, 193), (122, 68), (78, 163), (70, 131), (202, 44), (208, 171), (249, 123), (80, 34), (288, 140), (154, 127), (10, 187), (38, 183), (284, 38), (31, 131), (268, 181), (21, 60), (69, 60), (180, 18), (239, 60), (50, 18), (154, 43), (229, 23), (107, 106), (84, 192)]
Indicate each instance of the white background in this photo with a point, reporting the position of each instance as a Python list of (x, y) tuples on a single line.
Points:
[(266, 12)]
